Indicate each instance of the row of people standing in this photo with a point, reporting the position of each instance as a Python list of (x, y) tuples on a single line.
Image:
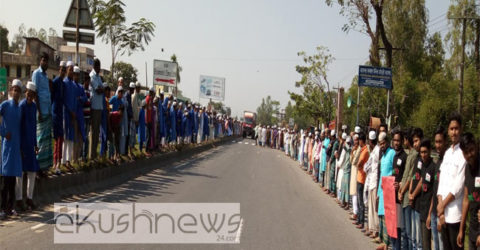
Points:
[(436, 182)]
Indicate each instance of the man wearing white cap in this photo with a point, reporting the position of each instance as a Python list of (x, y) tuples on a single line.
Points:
[(28, 147), (324, 160), (371, 170), (136, 106), (386, 168), (81, 98), (70, 107), (11, 155), (120, 82), (57, 114), (97, 103), (331, 168), (339, 164), (130, 143), (44, 104)]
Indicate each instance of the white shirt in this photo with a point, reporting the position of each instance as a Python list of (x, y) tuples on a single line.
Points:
[(452, 178), (371, 168)]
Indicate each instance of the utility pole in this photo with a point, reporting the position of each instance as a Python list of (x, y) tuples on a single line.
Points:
[(77, 37), (462, 65)]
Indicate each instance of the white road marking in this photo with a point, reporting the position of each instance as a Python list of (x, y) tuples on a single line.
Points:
[(239, 232), (39, 225), (233, 141), (240, 142), (39, 231), (253, 144), (246, 143)]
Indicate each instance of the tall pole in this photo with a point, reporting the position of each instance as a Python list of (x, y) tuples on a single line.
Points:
[(146, 75), (358, 104), (462, 67), (77, 36)]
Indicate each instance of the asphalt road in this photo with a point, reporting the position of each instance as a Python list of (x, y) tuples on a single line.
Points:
[(281, 207)]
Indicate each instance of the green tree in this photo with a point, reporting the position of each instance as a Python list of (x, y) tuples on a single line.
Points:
[(268, 111), (109, 18), (316, 99), (18, 43), (4, 38), (125, 70)]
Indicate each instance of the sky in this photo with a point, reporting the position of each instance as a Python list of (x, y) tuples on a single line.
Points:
[(252, 43)]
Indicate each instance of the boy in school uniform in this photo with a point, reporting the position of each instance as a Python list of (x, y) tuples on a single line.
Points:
[(28, 147), (11, 156)]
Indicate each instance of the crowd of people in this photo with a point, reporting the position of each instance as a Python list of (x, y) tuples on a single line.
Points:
[(62, 121), (436, 179)]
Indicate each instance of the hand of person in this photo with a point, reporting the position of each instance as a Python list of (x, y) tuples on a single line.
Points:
[(400, 195), (440, 209), (478, 241), (36, 150), (478, 215), (8, 136), (427, 223), (40, 119), (395, 185), (410, 197), (441, 222), (460, 239)]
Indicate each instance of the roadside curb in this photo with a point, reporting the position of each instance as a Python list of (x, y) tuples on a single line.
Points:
[(54, 188)]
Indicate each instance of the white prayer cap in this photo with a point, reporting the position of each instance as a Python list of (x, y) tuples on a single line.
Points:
[(120, 88), (344, 127), (382, 136), (349, 139), (152, 89), (309, 134), (70, 63), (181, 104), (17, 83), (316, 132), (344, 136), (138, 84), (132, 85), (105, 85), (63, 64), (355, 137), (372, 135), (76, 69), (120, 79), (31, 86), (357, 129), (161, 92), (174, 103), (332, 133)]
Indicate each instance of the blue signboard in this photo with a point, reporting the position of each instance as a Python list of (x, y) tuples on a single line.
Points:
[(376, 77)]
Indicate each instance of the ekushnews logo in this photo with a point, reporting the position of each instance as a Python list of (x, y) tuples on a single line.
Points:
[(147, 223)]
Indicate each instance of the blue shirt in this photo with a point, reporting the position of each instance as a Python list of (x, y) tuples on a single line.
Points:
[(11, 157), (57, 106), (40, 78), (29, 136), (95, 83), (116, 102), (70, 104), (386, 169)]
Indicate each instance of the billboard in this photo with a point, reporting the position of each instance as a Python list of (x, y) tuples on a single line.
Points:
[(212, 87), (164, 73), (376, 77)]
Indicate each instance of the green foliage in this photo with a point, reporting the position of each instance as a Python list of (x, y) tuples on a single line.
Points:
[(268, 111), (125, 70), (4, 38), (316, 99), (109, 18)]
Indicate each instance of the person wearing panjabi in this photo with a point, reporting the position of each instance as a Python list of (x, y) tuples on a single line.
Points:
[(44, 104)]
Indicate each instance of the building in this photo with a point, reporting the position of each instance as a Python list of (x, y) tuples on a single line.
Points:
[(67, 53), (21, 66)]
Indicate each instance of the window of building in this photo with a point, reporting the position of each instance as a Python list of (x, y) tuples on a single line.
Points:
[(19, 71), (28, 70)]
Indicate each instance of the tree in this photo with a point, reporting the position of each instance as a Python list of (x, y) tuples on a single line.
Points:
[(109, 18), (52, 32), (42, 35), (125, 70), (3, 38), (316, 100), (18, 43), (268, 111), (32, 32), (179, 69)]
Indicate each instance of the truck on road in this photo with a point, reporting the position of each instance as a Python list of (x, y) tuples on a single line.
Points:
[(249, 123)]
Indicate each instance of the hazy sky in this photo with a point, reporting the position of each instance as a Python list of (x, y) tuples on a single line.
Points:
[(252, 43)]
